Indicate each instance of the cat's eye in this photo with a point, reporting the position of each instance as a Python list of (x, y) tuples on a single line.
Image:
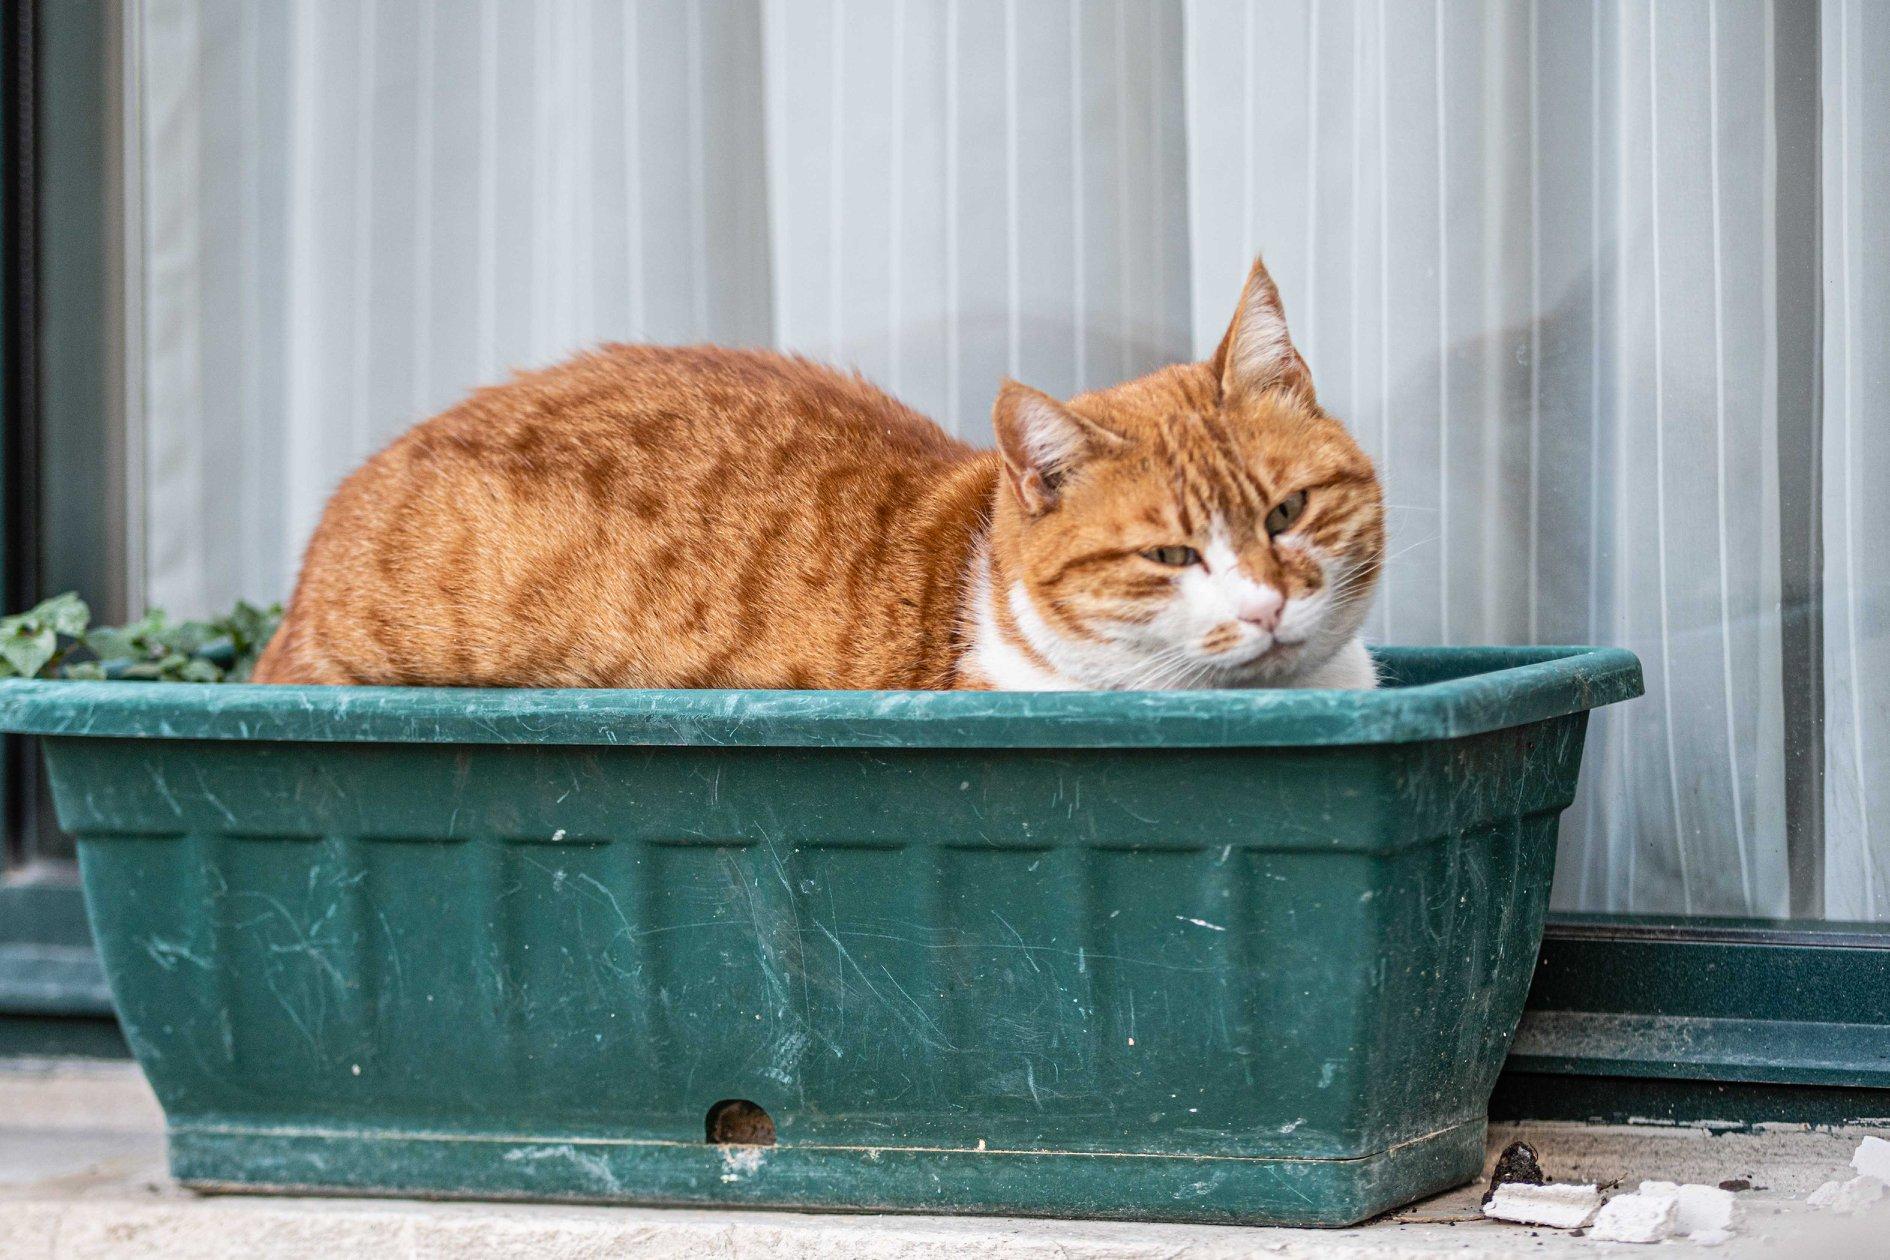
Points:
[(1175, 557), (1285, 512)]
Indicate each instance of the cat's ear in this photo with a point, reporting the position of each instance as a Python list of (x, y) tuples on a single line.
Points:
[(1257, 353), (1041, 442)]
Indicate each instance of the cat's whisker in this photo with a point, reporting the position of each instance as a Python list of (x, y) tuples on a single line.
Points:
[(1152, 673), (1368, 574), (1159, 670), (1408, 547)]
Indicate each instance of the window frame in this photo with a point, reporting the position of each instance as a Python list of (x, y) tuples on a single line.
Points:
[(1724, 1022), (1630, 1018), (53, 995)]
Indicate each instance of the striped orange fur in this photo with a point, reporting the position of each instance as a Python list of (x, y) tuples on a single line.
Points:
[(701, 517)]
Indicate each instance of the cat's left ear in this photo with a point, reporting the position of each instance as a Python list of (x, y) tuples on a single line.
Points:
[(1257, 353), (1042, 442)]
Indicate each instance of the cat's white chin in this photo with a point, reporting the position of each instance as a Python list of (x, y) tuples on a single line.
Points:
[(1348, 669)]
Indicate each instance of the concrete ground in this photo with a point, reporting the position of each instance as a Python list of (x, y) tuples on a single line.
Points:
[(82, 1175)]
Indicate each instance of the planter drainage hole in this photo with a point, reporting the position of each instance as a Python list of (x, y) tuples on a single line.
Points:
[(738, 1122)]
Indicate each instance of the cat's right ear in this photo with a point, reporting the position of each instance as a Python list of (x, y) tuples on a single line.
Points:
[(1257, 354), (1041, 442)]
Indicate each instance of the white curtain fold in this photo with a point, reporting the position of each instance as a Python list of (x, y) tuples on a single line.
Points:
[(1857, 458), (1527, 248), (961, 192)]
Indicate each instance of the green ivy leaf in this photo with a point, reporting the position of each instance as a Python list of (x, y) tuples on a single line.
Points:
[(109, 643), (28, 648), (38, 643), (65, 614), (148, 626), (249, 626), (184, 638)]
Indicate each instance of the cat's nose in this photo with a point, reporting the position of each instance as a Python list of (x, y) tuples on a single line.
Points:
[(1261, 608)]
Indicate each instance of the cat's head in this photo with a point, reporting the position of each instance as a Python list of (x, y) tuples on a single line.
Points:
[(1205, 525)]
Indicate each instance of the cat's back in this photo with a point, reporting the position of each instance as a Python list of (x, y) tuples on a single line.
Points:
[(675, 405), (636, 516)]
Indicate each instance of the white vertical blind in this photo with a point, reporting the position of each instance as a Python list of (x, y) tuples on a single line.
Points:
[(1857, 458), (965, 191), (1528, 249)]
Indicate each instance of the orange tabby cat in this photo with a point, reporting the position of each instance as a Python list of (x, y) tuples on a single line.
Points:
[(650, 517)]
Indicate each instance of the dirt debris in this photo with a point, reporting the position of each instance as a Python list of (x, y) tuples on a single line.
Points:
[(1517, 1164)]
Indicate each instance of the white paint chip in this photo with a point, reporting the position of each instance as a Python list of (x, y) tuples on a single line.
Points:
[(1855, 1195), (1872, 1159), (1556, 1206), (1702, 1209), (1636, 1218)]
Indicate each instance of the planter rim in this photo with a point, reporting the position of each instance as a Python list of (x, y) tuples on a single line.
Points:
[(1433, 693)]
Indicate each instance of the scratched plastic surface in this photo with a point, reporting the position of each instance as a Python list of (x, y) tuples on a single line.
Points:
[(1211, 956)]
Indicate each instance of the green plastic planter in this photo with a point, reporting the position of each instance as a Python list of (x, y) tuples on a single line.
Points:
[(1221, 956)]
